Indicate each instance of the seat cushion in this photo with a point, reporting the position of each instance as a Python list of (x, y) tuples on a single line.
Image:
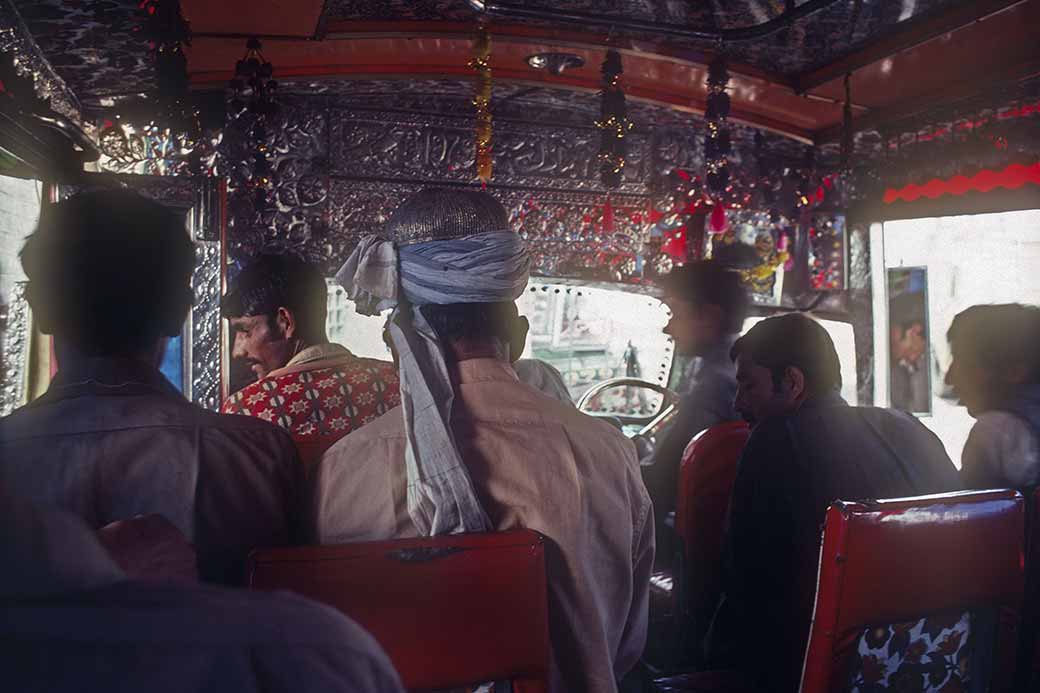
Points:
[(925, 656)]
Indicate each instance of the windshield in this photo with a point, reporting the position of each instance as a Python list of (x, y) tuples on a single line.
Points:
[(589, 334)]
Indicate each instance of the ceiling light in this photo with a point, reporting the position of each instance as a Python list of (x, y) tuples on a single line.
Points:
[(555, 63)]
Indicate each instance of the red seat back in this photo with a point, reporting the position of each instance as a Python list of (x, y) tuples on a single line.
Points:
[(709, 468), (449, 611), (892, 561)]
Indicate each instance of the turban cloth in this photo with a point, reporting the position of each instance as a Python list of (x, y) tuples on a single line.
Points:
[(487, 267)]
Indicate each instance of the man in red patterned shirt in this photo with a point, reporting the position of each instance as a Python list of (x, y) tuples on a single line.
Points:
[(316, 390)]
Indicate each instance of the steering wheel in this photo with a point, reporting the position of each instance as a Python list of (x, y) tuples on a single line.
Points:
[(651, 426)]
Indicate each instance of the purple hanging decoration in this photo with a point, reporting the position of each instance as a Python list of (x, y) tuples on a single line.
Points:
[(717, 143)]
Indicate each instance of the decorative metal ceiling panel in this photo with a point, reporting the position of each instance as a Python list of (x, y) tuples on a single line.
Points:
[(818, 39), (92, 45)]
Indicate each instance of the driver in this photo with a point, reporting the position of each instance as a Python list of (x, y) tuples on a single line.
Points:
[(709, 305), (474, 449)]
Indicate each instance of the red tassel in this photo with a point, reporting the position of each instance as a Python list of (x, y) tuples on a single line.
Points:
[(608, 217), (717, 220), (820, 194)]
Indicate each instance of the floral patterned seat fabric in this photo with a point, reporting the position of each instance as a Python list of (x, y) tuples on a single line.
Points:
[(932, 655)]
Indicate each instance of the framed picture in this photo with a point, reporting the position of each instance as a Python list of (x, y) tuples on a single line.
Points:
[(909, 375)]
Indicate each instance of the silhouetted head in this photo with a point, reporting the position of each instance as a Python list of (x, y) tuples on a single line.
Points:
[(109, 272), (996, 349)]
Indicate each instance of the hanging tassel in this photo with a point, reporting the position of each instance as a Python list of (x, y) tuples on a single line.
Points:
[(482, 101), (608, 217), (613, 122), (846, 126), (717, 221)]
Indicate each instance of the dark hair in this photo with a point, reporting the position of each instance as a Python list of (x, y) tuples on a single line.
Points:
[(710, 283), (999, 335), (472, 320), (793, 340), (906, 310), (109, 270), (280, 281)]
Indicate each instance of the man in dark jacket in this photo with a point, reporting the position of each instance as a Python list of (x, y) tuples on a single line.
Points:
[(808, 449)]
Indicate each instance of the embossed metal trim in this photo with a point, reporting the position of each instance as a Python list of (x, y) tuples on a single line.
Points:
[(205, 326), (17, 328), (374, 144), (29, 59)]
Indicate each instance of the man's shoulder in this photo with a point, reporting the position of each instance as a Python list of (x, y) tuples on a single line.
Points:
[(388, 427), (261, 436)]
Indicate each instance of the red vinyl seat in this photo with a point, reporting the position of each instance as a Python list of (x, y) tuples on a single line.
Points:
[(450, 611), (885, 564), (706, 477)]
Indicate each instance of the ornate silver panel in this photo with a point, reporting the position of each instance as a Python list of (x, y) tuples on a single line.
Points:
[(204, 330), (15, 350), (374, 144)]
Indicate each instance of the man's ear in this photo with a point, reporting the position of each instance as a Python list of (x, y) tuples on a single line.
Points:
[(794, 382), (286, 322), (518, 339)]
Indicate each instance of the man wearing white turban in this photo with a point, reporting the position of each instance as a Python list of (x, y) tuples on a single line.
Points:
[(474, 449)]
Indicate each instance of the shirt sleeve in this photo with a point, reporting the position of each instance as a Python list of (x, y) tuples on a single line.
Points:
[(633, 639), (1000, 451)]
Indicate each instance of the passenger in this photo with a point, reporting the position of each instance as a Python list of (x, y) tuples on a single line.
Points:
[(808, 448), (109, 276), (73, 621), (307, 385), (995, 373), (474, 449), (543, 377), (708, 305)]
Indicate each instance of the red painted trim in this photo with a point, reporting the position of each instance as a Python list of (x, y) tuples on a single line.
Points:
[(1013, 177)]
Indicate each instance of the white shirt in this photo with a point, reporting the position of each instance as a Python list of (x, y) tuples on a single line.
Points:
[(1001, 450), (538, 464)]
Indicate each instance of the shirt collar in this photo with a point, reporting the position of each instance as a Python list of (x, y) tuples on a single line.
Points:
[(108, 374), (485, 370), (318, 352)]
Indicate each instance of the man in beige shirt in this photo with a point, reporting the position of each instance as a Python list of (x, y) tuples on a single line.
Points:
[(477, 450)]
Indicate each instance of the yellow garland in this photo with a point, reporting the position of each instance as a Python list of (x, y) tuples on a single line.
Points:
[(482, 101)]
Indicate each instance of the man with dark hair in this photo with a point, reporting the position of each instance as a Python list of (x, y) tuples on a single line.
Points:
[(995, 372), (312, 388), (109, 276), (708, 305), (808, 448), (474, 449)]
